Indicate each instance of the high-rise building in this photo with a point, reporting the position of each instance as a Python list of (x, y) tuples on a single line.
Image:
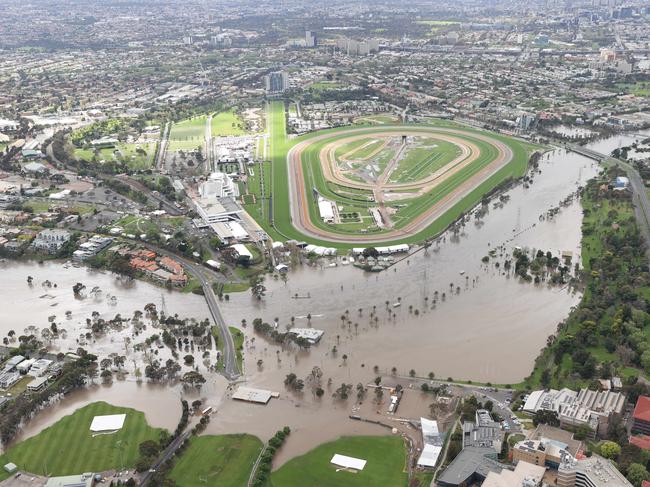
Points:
[(594, 471), (310, 39), (357, 48), (277, 82)]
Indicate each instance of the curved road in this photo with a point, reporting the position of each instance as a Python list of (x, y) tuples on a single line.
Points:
[(299, 195), (231, 370)]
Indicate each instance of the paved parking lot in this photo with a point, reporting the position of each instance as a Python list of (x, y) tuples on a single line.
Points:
[(24, 480)]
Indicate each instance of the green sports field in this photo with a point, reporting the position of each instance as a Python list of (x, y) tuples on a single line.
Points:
[(225, 461), (385, 456), (188, 134), (227, 123), (274, 214), (68, 447)]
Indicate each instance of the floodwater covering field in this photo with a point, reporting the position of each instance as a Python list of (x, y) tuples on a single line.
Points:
[(492, 330)]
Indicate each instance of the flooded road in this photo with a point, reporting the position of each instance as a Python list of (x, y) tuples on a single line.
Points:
[(490, 329), (606, 146)]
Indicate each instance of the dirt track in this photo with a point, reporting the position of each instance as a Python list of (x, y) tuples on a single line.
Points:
[(298, 194)]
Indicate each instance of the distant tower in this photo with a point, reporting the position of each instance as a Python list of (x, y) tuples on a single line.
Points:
[(277, 82), (311, 40)]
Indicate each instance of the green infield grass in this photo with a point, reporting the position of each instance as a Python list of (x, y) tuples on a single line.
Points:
[(68, 447), (385, 457), (425, 159)]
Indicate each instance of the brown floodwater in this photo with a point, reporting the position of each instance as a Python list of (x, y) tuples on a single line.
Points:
[(491, 330)]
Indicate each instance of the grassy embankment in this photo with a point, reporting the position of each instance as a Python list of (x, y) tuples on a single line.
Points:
[(68, 446)]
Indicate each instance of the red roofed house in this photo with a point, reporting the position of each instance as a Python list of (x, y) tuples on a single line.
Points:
[(641, 416), (642, 441)]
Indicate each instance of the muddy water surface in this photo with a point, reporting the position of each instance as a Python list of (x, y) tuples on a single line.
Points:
[(491, 329)]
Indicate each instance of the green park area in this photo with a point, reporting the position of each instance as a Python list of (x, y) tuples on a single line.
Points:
[(43, 205), (69, 447), (217, 460), (187, 135), (378, 119), (135, 156), (136, 225), (385, 457), (360, 149), (608, 325), (227, 123), (326, 85), (640, 88), (436, 26), (103, 142)]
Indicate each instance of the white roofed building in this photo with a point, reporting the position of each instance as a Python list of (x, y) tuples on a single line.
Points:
[(229, 231), (213, 210), (242, 252), (218, 185), (584, 408), (432, 440), (326, 210), (524, 475), (348, 462), (594, 471), (312, 335)]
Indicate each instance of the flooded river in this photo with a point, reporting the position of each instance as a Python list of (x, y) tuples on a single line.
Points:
[(491, 330)]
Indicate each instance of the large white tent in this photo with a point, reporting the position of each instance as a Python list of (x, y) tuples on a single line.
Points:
[(429, 456), (348, 462), (111, 422)]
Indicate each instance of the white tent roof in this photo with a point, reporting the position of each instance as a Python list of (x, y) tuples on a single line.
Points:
[(429, 428), (110, 422), (429, 456), (348, 462), (251, 394)]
